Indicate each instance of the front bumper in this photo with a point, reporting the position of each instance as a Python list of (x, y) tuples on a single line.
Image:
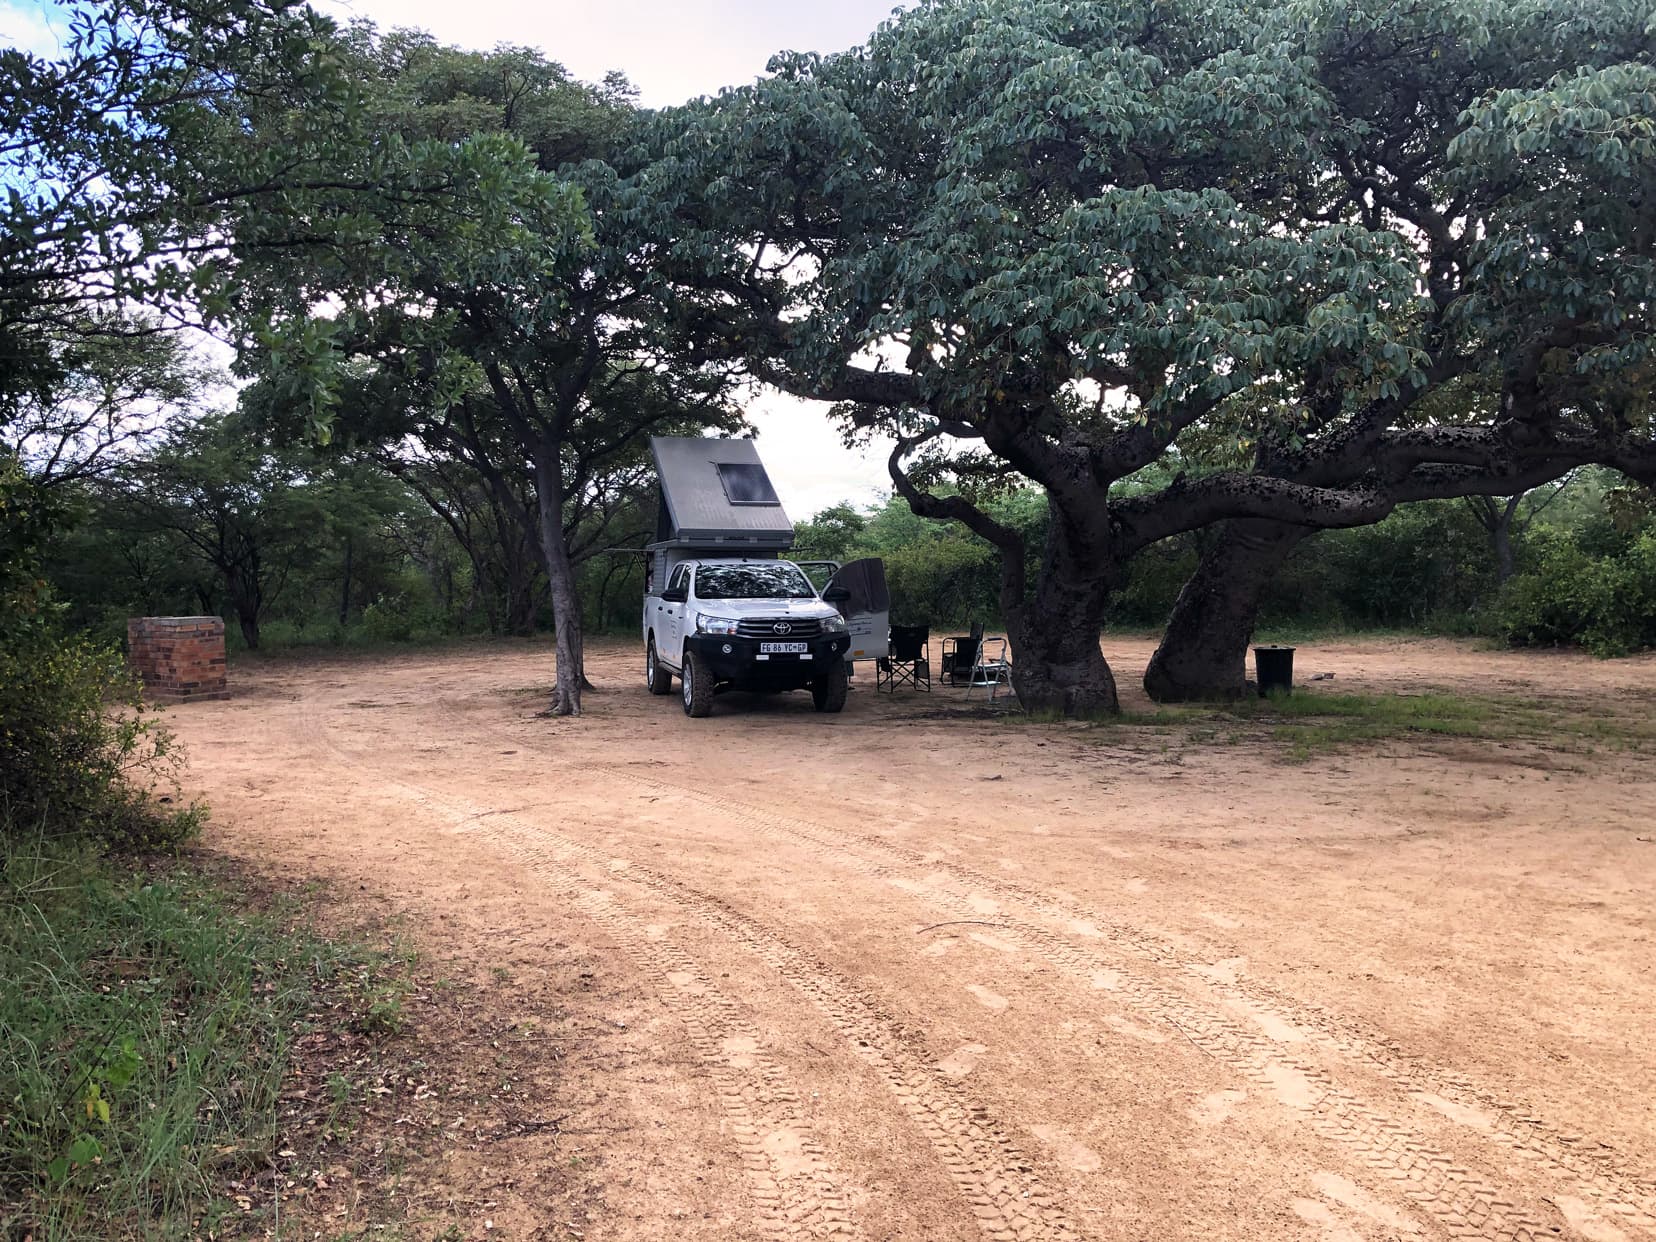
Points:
[(738, 662)]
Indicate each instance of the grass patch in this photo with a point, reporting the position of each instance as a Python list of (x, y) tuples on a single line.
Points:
[(1309, 723), (146, 1025)]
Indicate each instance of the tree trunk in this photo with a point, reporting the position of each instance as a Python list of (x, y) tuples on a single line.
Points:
[(1499, 521), (249, 622), (1057, 663), (345, 587), (520, 612), (1204, 652), (520, 594), (1500, 535), (560, 573)]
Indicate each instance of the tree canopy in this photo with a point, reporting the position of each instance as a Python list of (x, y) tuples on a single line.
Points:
[(1197, 265), (1052, 242)]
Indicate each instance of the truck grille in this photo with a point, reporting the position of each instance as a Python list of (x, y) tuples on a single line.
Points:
[(767, 627)]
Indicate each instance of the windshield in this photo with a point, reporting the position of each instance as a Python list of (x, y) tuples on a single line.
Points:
[(779, 581)]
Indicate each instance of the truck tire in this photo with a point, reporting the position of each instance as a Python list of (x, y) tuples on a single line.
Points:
[(656, 675), (698, 686), (828, 691)]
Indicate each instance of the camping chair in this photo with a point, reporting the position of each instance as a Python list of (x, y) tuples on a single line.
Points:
[(991, 668), (909, 663), (959, 654)]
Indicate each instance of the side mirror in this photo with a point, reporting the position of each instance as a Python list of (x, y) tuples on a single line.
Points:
[(836, 595), (674, 597)]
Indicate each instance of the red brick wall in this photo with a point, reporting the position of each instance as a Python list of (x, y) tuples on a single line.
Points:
[(178, 658)]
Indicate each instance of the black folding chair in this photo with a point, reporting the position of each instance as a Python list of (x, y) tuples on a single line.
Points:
[(909, 663), (959, 655)]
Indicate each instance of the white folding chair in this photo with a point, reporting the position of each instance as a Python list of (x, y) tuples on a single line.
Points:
[(990, 669)]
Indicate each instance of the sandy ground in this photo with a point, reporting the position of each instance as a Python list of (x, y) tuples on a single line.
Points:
[(914, 972)]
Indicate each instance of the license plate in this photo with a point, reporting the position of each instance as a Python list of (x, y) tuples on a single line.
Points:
[(783, 648)]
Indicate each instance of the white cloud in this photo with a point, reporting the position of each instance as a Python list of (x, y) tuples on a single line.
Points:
[(808, 462), (27, 26)]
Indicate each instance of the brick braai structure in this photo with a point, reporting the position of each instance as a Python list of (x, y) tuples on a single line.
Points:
[(178, 658)]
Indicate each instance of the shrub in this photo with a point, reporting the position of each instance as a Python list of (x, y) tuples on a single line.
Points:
[(78, 753), (1154, 579), (943, 580), (1606, 603)]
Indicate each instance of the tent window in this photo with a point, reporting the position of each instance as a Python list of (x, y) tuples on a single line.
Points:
[(746, 484)]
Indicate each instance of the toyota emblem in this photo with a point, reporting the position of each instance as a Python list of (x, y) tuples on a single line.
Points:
[(782, 627)]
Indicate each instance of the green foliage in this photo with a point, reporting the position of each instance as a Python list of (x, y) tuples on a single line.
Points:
[(1154, 578), (830, 535), (144, 1034), (938, 572), (401, 618), (78, 753), (1425, 566), (1605, 603)]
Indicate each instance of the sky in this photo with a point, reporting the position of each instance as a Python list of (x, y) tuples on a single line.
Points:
[(672, 50)]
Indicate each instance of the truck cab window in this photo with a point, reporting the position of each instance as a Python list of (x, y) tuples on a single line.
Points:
[(780, 580)]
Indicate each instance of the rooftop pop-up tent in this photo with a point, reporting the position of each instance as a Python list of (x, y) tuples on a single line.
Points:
[(716, 494), (716, 500)]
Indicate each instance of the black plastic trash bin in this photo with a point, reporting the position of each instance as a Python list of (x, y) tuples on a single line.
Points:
[(1274, 667)]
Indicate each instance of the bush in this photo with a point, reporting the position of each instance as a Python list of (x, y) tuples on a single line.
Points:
[(943, 580), (1605, 603), (78, 754), (401, 619), (1154, 579)]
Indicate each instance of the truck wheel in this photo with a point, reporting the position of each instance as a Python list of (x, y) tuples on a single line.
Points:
[(656, 676), (828, 691), (698, 686)]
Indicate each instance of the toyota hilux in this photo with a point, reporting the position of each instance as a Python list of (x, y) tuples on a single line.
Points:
[(741, 623)]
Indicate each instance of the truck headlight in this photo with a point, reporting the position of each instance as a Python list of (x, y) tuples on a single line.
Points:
[(715, 625), (834, 625)]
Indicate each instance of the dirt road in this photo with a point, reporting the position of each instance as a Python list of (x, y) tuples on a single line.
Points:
[(911, 972)]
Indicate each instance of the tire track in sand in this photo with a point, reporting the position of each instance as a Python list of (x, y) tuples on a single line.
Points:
[(1462, 1202), (1007, 1199), (796, 1189), (998, 1181)]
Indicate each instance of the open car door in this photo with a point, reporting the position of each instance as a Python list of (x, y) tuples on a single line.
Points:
[(867, 612)]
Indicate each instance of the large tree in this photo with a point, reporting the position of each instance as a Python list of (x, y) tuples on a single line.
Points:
[(1054, 241), (247, 514), (1513, 151), (525, 343)]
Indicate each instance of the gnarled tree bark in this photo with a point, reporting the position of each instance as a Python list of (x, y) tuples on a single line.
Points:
[(1058, 665), (1203, 653)]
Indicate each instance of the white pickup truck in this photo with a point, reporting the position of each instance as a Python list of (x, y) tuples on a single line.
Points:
[(740, 623)]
